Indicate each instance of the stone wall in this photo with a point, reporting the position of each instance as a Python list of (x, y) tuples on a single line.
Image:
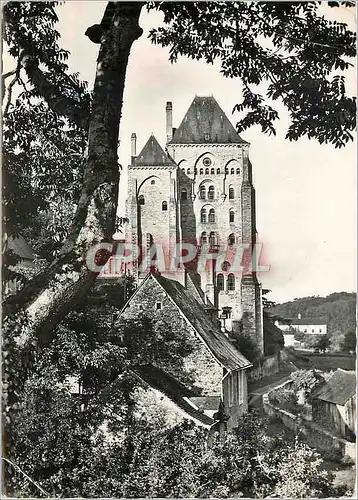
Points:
[(267, 366)]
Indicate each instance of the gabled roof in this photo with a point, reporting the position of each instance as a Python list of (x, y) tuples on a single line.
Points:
[(158, 379), (153, 155), (339, 388), (194, 313), (206, 123)]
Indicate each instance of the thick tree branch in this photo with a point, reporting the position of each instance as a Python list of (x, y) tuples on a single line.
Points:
[(95, 218)]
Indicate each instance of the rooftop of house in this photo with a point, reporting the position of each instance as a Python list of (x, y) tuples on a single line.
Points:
[(153, 154), (166, 384), (206, 123), (339, 388), (302, 321)]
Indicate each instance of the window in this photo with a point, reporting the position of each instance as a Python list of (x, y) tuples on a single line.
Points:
[(312, 330), (164, 206), (218, 170), (238, 171), (184, 194), (231, 193), (226, 170), (220, 282), (152, 182), (231, 216), (320, 330), (183, 170), (211, 193), (212, 239), (203, 216), (188, 171), (232, 171), (202, 192), (211, 215), (231, 282), (141, 200), (212, 171), (207, 162), (201, 171), (206, 137), (305, 331), (158, 306), (225, 266), (203, 238), (195, 170), (206, 171), (231, 239)]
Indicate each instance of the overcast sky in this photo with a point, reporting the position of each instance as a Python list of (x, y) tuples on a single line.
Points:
[(306, 192)]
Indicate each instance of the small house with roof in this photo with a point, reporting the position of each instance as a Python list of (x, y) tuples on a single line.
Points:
[(219, 370), (334, 403)]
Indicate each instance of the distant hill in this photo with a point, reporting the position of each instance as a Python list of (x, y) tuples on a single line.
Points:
[(339, 309)]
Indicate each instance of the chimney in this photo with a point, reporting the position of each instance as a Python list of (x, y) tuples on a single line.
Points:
[(133, 146), (299, 315), (169, 122)]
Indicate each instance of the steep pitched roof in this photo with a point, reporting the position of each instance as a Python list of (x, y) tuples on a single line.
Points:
[(206, 123), (153, 155), (339, 388), (178, 393), (216, 341)]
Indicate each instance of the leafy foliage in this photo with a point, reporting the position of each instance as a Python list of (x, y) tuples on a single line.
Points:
[(283, 51)]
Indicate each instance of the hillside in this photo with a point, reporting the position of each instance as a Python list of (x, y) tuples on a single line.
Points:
[(339, 309)]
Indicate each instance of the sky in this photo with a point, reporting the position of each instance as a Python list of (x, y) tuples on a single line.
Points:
[(305, 192)]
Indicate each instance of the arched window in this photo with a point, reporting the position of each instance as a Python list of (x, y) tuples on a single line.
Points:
[(211, 193), (211, 215), (202, 192), (141, 200), (231, 282), (231, 216), (201, 171), (206, 171), (203, 238), (220, 282), (184, 194), (232, 171), (225, 266), (231, 193), (212, 239), (183, 170), (164, 206), (238, 171), (231, 239), (203, 216), (218, 170), (226, 170), (212, 171), (195, 170), (188, 171), (152, 182)]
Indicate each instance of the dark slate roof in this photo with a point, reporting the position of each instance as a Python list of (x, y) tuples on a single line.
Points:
[(153, 155), (339, 388), (210, 403), (21, 248), (160, 380), (215, 340), (308, 321), (206, 123)]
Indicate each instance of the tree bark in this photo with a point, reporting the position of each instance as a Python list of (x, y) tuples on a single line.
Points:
[(51, 294)]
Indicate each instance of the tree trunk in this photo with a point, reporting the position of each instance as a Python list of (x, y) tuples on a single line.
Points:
[(52, 294)]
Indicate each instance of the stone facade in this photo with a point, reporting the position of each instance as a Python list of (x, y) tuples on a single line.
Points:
[(199, 191)]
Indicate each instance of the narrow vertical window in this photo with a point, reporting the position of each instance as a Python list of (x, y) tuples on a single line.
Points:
[(141, 200), (188, 171), (212, 171), (231, 239), (201, 171), (231, 282), (211, 215), (231, 216), (232, 171), (218, 170), (238, 171), (206, 171), (212, 239), (211, 193), (203, 216), (202, 192), (220, 282), (231, 193), (203, 238), (164, 206), (184, 194)]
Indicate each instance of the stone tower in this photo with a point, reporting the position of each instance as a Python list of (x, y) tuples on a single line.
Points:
[(200, 192)]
